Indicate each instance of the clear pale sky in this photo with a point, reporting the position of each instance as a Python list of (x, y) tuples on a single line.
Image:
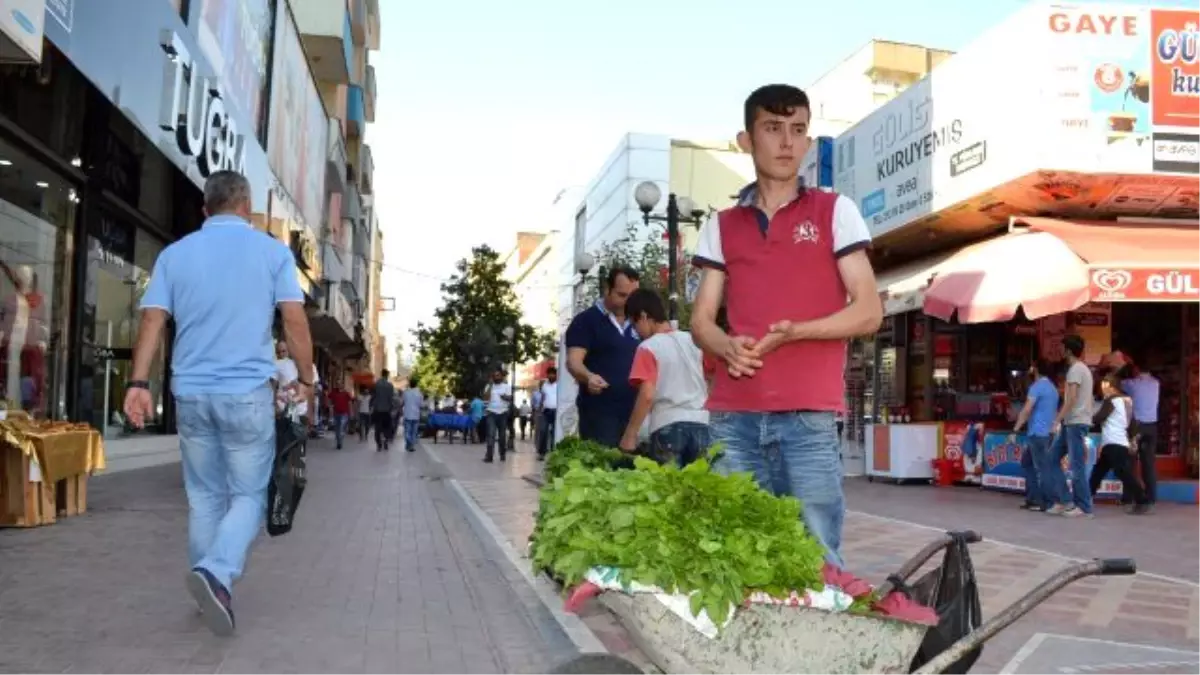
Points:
[(485, 110)]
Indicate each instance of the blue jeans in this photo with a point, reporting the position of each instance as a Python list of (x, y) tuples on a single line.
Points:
[(339, 427), (789, 453), (1051, 486), (680, 443), (410, 433), (1071, 442), (228, 446)]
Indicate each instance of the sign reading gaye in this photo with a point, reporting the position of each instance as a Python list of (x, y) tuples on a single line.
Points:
[(193, 108), (1113, 284)]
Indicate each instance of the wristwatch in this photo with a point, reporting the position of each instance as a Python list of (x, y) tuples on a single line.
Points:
[(137, 384), (307, 384)]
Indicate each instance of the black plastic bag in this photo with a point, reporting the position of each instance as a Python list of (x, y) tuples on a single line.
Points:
[(951, 590), (288, 477)]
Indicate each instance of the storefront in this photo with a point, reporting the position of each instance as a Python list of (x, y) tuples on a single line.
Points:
[(104, 147)]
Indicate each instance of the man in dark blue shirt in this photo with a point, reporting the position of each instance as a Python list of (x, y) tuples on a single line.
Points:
[(601, 343)]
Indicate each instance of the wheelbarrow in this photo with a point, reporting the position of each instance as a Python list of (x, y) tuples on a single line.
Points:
[(775, 639)]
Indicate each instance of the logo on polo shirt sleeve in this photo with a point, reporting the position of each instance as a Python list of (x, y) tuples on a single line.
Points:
[(806, 232)]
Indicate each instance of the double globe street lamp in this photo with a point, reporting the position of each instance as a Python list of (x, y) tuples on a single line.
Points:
[(679, 210)]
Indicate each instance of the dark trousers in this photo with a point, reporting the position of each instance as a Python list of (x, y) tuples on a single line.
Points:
[(602, 426), (364, 426), (1116, 458), (382, 421), (524, 426), (548, 421), (1147, 454), (680, 443), (497, 433)]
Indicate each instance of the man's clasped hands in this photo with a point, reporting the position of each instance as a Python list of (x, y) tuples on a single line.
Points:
[(743, 354)]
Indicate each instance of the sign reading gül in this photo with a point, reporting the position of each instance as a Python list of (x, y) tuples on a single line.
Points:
[(194, 110)]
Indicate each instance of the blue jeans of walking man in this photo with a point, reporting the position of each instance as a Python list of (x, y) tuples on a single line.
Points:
[(228, 446), (789, 453), (1071, 442), (410, 433), (340, 422)]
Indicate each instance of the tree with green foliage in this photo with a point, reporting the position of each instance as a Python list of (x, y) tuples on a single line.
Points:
[(645, 252), (466, 342)]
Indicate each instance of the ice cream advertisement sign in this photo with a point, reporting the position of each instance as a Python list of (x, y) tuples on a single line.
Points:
[(1175, 89)]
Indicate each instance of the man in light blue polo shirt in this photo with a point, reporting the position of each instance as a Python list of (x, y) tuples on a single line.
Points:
[(1045, 482), (221, 285)]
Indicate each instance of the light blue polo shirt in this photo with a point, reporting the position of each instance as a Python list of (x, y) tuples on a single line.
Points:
[(221, 284)]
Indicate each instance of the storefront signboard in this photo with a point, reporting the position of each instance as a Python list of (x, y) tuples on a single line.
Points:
[(120, 47), (1144, 284), (1175, 89), (21, 22), (193, 108), (1002, 463), (234, 36), (1077, 120)]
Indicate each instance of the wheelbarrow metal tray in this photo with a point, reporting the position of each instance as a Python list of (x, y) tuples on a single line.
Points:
[(768, 639)]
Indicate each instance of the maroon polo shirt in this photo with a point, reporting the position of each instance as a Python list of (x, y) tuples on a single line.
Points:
[(781, 268)]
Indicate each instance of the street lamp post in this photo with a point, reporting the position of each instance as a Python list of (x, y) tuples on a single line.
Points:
[(679, 210)]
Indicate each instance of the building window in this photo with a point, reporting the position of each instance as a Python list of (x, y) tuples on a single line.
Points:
[(37, 215)]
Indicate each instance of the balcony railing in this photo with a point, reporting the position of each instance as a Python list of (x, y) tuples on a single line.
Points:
[(369, 98), (356, 113), (335, 159)]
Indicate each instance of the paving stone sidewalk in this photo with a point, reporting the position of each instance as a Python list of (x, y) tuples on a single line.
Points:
[(1121, 612), (383, 573)]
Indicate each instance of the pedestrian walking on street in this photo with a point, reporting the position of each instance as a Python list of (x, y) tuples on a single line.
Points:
[(478, 411), (286, 375), (383, 402), (411, 401), (1117, 426), (1045, 483), (600, 345), (668, 372), (499, 397), (525, 413), (364, 415), (1070, 429), (548, 413), (221, 368), (796, 254), (339, 401)]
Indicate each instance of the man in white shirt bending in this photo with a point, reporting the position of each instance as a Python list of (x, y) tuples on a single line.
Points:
[(499, 399)]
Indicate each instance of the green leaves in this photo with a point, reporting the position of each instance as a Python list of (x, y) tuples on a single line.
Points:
[(691, 531), (576, 451)]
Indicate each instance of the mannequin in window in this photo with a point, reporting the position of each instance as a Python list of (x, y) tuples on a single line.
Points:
[(23, 337)]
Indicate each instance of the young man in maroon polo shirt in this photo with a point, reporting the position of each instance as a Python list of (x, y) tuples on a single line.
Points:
[(791, 266)]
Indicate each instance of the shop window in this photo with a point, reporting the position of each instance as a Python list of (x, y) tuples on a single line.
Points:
[(120, 258), (37, 214)]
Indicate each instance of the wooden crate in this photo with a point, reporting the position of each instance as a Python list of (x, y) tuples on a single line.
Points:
[(71, 496), (23, 503)]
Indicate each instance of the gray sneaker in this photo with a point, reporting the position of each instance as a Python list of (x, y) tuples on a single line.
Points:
[(1056, 510), (1076, 512)]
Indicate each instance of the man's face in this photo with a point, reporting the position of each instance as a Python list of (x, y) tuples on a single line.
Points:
[(777, 143), (498, 377), (552, 376), (281, 351), (619, 293)]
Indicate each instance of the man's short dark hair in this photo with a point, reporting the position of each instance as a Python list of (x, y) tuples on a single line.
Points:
[(621, 271), (384, 373), (1042, 366), (551, 371), (777, 99), (1074, 345), (645, 301)]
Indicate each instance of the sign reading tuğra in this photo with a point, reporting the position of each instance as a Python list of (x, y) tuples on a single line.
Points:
[(194, 110)]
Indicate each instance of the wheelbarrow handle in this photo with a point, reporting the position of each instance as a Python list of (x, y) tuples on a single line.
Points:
[(914, 563), (1109, 567)]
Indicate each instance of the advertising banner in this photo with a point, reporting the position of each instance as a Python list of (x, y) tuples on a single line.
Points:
[(1145, 284), (21, 22), (1175, 88), (1068, 110), (1002, 463), (234, 36), (299, 126)]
